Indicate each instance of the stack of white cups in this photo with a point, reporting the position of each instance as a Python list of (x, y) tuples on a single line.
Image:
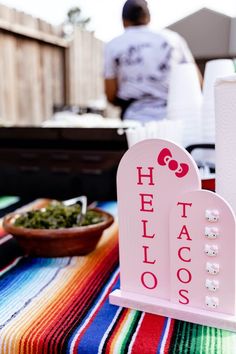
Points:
[(185, 101), (214, 70), (225, 108), (163, 129)]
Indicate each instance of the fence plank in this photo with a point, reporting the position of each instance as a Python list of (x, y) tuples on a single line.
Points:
[(40, 69), (85, 66), (8, 80)]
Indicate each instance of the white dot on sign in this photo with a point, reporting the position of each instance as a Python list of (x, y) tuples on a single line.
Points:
[(211, 232), (212, 284), (212, 215), (211, 250), (212, 302), (212, 268)]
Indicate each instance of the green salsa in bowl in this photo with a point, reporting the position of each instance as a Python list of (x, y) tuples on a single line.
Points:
[(57, 216)]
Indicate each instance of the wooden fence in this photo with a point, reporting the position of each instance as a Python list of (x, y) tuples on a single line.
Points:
[(40, 69), (85, 65)]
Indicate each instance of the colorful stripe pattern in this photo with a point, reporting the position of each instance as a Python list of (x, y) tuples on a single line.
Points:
[(60, 305)]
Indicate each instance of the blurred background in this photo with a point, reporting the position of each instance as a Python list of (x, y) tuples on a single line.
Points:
[(52, 52), (51, 77)]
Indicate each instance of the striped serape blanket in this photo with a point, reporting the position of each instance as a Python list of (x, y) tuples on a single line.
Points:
[(60, 305)]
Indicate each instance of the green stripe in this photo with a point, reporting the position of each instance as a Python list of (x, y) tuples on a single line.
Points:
[(184, 340), (221, 340), (212, 342), (180, 338), (217, 341), (206, 340), (177, 328), (200, 337), (126, 340), (7, 201), (187, 338), (197, 339), (192, 339)]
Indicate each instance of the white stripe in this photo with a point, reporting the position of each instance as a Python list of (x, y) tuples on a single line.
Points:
[(124, 330), (108, 330), (165, 336), (5, 239), (102, 297), (13, 264), (136, 333)]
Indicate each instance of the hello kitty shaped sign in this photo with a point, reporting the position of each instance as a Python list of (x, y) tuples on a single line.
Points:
[(177, 242)]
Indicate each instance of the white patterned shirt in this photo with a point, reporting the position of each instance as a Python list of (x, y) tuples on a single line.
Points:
[(141, 61)]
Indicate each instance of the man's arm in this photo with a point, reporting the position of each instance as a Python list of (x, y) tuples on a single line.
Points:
[(111, 89)]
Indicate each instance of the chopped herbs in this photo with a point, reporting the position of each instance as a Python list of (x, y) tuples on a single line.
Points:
[(56, 216)]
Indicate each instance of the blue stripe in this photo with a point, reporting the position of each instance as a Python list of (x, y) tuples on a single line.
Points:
[(95, 332), (162, 335), (11, 279), (29, 279), (110, 207)]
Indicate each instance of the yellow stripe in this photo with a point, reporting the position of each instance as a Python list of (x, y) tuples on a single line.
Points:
[(117, 335), (125, 328)]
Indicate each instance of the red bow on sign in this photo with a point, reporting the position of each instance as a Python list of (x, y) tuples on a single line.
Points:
[(165, 158)]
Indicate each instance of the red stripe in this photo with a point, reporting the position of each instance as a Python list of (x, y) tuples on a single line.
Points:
[(2, 233), (97, 281), (52, 330), (76, 304), (149, 334)]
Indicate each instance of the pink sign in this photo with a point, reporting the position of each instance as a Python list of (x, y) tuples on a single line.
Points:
[(202, 252), (150, 176), (176, 241)]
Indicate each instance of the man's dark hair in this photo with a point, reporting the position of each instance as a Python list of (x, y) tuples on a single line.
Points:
[(136, 12)]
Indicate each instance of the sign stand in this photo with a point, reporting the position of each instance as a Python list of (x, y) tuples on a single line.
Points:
[(176, 241)]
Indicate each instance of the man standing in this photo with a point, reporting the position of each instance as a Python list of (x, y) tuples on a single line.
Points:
[(138, 65)]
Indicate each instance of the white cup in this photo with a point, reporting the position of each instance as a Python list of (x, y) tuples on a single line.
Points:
[(184, 88), (214, 69), (165, 129)]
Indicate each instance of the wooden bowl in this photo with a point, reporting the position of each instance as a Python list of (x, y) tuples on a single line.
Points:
[(58, 242)]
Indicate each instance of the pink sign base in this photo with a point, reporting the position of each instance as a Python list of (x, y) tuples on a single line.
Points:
[(175, 311)]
